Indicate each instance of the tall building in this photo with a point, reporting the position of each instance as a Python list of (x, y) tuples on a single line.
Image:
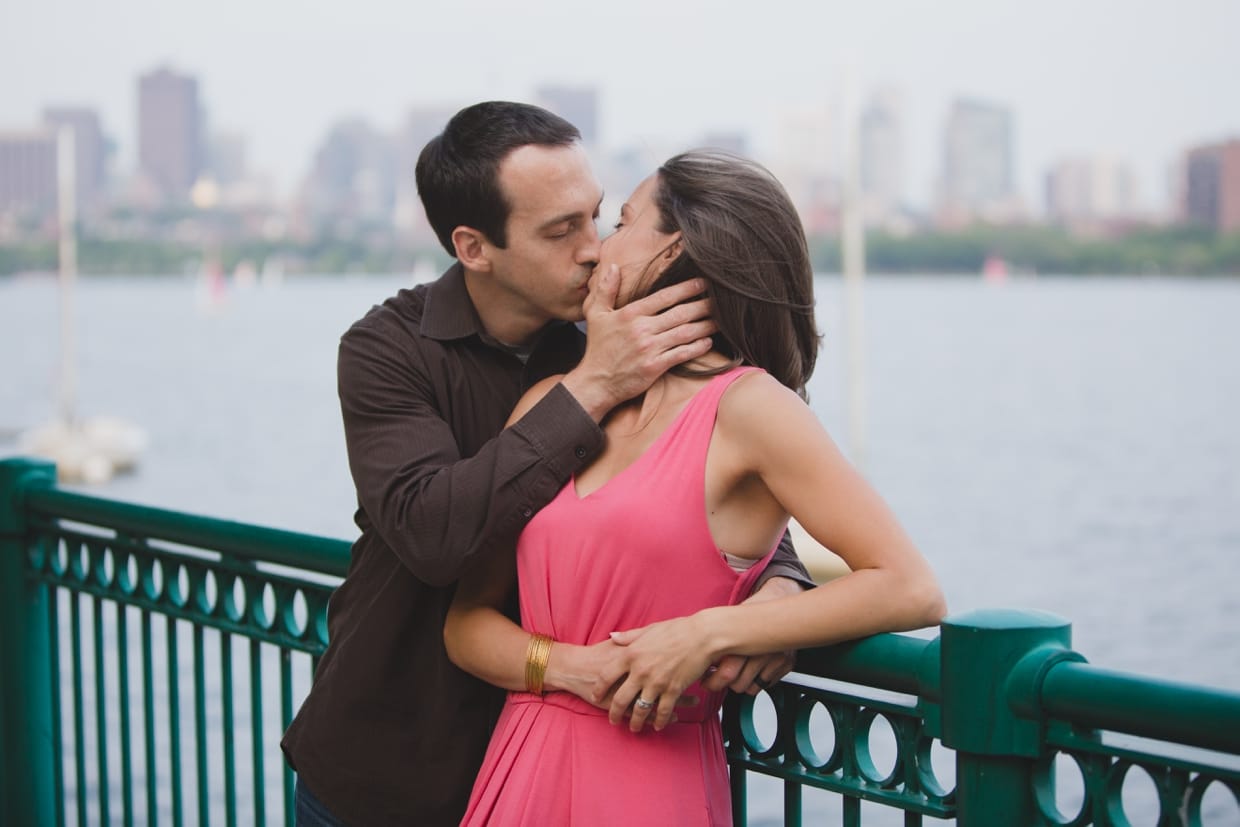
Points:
[(576, 104), (171, 152), (354, 175), (28, 174), (978, 175), (1090, 189), (90, 151), (806, 162), (881, 155), (1211, 194), (421, 124), (226, 158)]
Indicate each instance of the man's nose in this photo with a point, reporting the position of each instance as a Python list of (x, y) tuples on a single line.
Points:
[(591, 246)]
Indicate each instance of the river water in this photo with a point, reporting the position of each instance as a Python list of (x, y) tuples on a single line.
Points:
[(1063, 444)]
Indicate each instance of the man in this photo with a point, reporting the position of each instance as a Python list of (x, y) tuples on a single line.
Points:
[(392, 732)]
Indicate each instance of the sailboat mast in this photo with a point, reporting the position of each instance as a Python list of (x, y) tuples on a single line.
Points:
[(66, 179), (852, 251)]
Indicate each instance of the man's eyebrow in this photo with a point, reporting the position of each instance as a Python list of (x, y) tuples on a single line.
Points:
[(560, 219)]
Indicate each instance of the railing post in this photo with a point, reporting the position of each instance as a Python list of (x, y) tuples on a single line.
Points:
[(984, 653), (26, 748)]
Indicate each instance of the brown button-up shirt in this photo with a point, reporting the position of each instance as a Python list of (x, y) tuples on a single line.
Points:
[(392, 732)]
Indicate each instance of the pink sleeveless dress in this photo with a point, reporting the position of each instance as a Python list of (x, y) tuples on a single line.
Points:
[(636, 551)]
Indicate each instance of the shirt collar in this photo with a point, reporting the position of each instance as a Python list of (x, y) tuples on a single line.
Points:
[(449, 312)]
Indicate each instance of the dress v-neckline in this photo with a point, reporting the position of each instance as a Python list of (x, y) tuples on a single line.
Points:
[(664, 434)]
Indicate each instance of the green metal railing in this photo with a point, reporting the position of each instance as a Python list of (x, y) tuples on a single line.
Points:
[(1001, 705), (152, 659)]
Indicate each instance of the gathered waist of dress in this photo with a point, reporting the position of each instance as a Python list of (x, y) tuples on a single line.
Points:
[(706, 707)]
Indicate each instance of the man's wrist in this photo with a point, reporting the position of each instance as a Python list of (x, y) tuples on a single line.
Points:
[(590, 395)]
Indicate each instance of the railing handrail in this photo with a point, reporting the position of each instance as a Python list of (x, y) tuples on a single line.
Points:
[(893, 662), (243, 540), (1098, 698)]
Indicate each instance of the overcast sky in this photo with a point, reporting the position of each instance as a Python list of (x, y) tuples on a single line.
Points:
[(1140, 79)]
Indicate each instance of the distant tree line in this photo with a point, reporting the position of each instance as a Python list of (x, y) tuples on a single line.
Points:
[(161, 258), (1046, 250)]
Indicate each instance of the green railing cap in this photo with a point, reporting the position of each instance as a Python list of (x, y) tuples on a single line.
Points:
[(17, 475), (981, 651)]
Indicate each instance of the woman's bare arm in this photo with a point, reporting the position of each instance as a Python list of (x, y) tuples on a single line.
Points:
[(774, 435)]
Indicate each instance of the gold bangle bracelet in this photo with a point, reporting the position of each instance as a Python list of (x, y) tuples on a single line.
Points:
[(537, 655)]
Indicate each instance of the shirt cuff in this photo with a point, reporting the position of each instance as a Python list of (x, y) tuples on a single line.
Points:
[(777, 568), (563, 433)]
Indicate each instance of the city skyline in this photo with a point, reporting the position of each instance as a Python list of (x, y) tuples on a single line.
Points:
[(1140, 85)]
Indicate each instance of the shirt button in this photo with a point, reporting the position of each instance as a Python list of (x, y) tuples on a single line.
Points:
[(580, 452), (527, 512)]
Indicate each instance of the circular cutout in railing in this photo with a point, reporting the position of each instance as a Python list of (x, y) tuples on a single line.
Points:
[(206, 591), (178, 586), (1059, 789), (877, 748), (234, 599), (127, 573), (759, 723), (293, 612), (103, 564), (816, 737), (936, 768), (60, 558), (152, 578), (79, 561), (1212, 803), (1132, 796), (262, 610)]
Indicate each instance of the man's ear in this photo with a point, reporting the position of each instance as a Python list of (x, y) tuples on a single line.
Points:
[(472, 249)]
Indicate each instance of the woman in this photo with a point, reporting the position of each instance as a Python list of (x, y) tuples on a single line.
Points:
[(670, 526)]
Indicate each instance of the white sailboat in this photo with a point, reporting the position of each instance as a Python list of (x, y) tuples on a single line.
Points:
[(84, 450)]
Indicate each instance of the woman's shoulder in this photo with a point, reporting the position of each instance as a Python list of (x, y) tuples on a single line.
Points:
[(533, 396), (751, 385), (540, 388), (755, 402)]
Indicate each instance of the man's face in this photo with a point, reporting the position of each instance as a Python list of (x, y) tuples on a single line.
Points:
[(553, 242)]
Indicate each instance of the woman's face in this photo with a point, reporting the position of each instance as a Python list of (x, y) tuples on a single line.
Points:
[(637, 246)]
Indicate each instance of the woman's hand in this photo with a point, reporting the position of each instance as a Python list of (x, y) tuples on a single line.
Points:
[(662, 659), (578, 670)]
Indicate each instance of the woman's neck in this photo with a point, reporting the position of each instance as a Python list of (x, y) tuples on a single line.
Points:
[(671, 389)]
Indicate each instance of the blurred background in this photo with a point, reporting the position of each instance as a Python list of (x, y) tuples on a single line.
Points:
[(280, 137), (1042, 376)]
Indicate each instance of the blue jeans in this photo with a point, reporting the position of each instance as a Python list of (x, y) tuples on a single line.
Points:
[(310, 812)]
